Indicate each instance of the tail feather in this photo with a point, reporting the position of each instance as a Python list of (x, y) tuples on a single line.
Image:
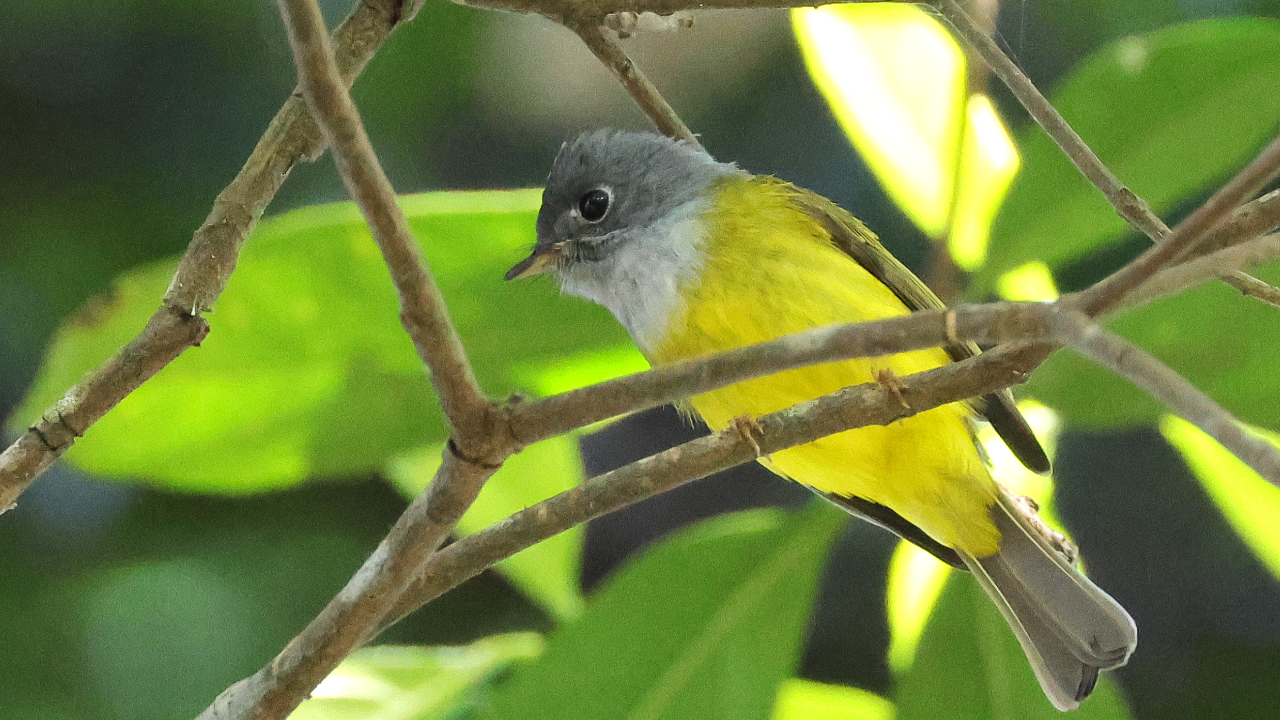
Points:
[(1068, 627)]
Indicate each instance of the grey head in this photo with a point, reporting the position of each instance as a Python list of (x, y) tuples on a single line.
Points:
[(608, 182), (616, 219)]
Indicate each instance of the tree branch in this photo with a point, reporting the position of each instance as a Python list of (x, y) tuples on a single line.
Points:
[(1129, 361), (350, 618), (858, 406), (206, 267), (609, 52), (1131, 207), (1104, 294), (1222, 264), (852, 407), (985, 324), (422, 307)]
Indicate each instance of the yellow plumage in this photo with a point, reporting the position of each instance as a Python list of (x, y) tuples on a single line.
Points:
[(771, 270)]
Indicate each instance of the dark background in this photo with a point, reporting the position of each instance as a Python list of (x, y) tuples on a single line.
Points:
[(120, 121)]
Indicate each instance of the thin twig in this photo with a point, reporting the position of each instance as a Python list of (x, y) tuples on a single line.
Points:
[(1131, 207), (1104, 294), (1224, 263), (167, 334), (206, 267), (1093, 341), (1252, 287), (608, 51), (1261, 215)]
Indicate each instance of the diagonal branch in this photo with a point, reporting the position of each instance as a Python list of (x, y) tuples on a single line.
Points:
[(1132, 208), (1110, 290), (206, 267), (1220, 264), (1163, 383), (609, 52), (422, 308)]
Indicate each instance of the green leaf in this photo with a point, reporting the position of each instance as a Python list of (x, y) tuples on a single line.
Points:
[(1171, 113), (1248, 502), (800, 699), (1220, 341), (390, 682), (970, 667), (705, 624), (307, 370), (547, 572)]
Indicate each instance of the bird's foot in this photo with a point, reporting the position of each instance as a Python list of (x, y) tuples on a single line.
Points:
[(747, 429), (891, 382), (1029, 509)]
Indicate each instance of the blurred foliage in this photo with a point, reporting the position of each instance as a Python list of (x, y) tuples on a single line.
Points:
[(897, 82), (121, 120), (1249, 503), (392, 682), (306, 370), (1141, 103), (705, 624)]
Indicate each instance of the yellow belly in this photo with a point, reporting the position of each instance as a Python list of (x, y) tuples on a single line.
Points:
[(778, 274)]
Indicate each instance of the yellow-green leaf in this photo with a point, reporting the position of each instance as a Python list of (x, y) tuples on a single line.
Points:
[(800, 699), (391, 682), (307, 370), (987, 165), (895, 80), (1249, 503)]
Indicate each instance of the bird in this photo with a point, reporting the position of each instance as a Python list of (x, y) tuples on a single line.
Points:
[(694, 256)]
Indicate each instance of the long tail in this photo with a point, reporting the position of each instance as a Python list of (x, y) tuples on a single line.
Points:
[(1068, 627)]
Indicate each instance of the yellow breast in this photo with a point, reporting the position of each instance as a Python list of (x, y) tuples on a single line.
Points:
[(770, 270)]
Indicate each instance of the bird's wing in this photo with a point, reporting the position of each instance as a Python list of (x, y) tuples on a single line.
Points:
[(850, 235)]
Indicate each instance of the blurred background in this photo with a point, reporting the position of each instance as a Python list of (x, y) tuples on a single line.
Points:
[(120, 121)]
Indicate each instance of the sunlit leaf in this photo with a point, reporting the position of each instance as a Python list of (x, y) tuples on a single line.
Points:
[(988, 163), (1171, 113), (307, 370), (705, 624), (895, 79), (1249, 503), (548, 571), (800, 699), (391, 682), (969, 666), (1032, 281), (1222, 342), (914, 583)]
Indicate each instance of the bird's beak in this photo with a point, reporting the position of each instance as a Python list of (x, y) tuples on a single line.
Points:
[(537, 262)]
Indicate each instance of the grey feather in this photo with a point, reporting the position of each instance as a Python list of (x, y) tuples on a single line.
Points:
[(1067, 626)]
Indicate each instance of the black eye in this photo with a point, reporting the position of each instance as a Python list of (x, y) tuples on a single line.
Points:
[(594, 205)]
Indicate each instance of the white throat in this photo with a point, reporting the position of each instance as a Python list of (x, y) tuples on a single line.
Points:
[(639, 282)]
